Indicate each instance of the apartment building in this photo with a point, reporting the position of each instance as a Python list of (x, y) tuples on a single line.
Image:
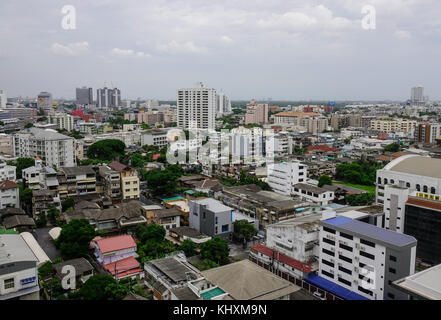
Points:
[(150, 117), (6, 143), (365, 259), (106, 98), (62, 120), (256, 113), (53, 148), (312, 193), (129, 180), (393, 125), (9, 194), (211, 217), (111, 183), (196, 108), (18, 265), (43, 200), (427, 132), (223, 105), (76, 181), (7, 172), (282, 176), (154, 137), (84, 96)]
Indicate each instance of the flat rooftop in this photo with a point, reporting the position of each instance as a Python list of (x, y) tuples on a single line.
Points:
[(425, 284), (416, 165)]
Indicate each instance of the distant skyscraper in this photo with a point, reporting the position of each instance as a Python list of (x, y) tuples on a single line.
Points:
[(223, 105), (106, 97), (44, 100), (196, 107), (417, 94), (84, 95), (3, 99)]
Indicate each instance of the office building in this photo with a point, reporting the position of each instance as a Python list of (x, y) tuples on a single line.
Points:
[(393, 125), (63, 121), (84, 96), (108, 98), (417, 94), (365, 259), (44, 100), (3, 99), (196, 108), (223, 105), (428, 132), (154, 137), (256, 113)]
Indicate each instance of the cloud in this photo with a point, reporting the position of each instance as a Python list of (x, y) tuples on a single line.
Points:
[(116, 52), (226, 39), (71, 49), (403, 34), (180, 47)]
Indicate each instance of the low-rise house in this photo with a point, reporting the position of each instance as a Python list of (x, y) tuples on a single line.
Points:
[(117, 256), (314, 194), (129, 180), (43, 200), (83, 269), (7, 172), (74, 181), (168, 218), (111, 182), (180, 234), (9, 194)]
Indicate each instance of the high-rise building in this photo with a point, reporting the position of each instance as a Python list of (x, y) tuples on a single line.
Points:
[(417, 94), (256, 113), (196, 107), (84, 95), (3, 99), (223, 105), (62, 120), (106, 97), (427, 132), (283, 176)]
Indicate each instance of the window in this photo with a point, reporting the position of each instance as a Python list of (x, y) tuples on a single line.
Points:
[(367, 255), (365, 290), (391, 295), (347, 236), (368, 243), (343, 246), (344, 258), (330, 275), (432, 190), (9, 283), (407, 185), (345, 270), (328, 263), (225, 228), (392, 181), (346, 282), (425, 189), (328, 230), (385, 181), (329, 241), (328, 252), (392, 270), (379, 180)]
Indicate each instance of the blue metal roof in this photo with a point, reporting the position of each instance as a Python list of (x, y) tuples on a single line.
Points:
[(334, 288), (371, 231)]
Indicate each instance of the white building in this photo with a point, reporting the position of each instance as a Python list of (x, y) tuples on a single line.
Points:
[(19, 275), (364, 259), (282, 176), (3, 99), (223, 105), (52, 147), (7, 172), (9, 194), (314, 194), (63, 121), (154, 137), (196, 107)]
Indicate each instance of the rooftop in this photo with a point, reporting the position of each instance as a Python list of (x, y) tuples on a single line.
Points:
[(425, 284), (172, 268), (297, 114), (309, 187), (416, 165), (7, 184), (77, 170), (115, 243), (46, 134), (213, 205), (374, 233), (13, 248)]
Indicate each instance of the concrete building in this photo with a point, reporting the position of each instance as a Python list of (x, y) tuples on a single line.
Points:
[(76, 181), (111, 183), (211, 217), (18, 265), (393, 125), (282, 176), (196, 108), (256, 113), (52, 147), (313, 193), (3, 99), (7, 172), (84, 96), (44, 100), (129, 180), (423, 285), (417, 94), (9, 194), (62, 120), (365, 259), (427, 132), (108, 98), (6, 144), (223, 105), (154, 137)]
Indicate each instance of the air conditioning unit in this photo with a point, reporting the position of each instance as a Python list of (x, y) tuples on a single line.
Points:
[(356, 281), (356, 269), (356, 258), (333, 249), (339, 264), (357, 245), (363, 248), (332, 260)]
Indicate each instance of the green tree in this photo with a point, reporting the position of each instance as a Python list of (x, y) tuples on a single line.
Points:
[(102, 287), (244, 229), (153, 232), (107, 149), (393, 147), (53, 214), (67, 203), (25, 195), (20, 164), (28, 125), (75, 238), (41, 221), (324, 179), (362, 199), (46, 269), (161, 182), (215, 250), (189, 247)]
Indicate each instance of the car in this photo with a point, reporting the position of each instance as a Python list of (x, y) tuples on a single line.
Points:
[(319, 295)]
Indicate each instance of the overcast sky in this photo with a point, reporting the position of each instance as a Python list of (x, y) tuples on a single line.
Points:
[(247, 48)]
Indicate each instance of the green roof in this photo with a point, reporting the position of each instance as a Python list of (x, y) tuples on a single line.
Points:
[(174, 198), (8, 231), (212, 293)]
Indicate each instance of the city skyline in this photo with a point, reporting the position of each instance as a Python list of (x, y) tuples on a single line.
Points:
[(287, 50)]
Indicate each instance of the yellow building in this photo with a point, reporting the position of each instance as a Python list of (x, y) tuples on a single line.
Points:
[(129, 180)]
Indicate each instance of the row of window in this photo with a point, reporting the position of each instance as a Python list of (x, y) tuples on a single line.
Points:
[(417, 186)]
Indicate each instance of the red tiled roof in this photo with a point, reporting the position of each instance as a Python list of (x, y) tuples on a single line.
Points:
[(123, 267), (115, 243), (156, 156), (115, 165), (424, 203), (304, 267), (323, 148), (7, 184)]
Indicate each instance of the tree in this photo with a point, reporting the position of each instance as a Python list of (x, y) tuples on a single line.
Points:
[(25, 195), (161, 182), (324, 179), (53, 214), (244, 229), (215, 250), (102, 287), (75, 238), (67, 203), (393, 147), (107, 149), (28, 125), (20, 164), (362, 199), (153, 232), (189, 247), (46, 269), (41, 222)]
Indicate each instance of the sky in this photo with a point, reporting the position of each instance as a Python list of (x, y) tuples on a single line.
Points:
[(279, 49)]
